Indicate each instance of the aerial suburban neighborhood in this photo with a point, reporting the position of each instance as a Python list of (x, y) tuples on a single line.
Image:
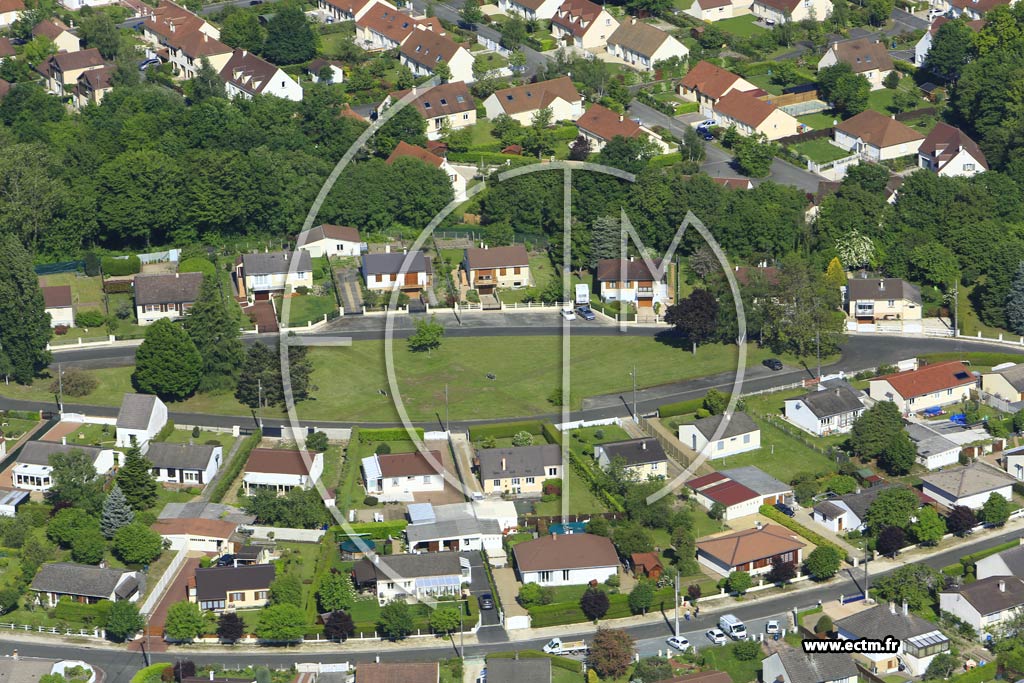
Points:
[(515, 341)]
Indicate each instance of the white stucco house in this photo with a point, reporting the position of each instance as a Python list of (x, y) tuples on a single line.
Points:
[(246, 75), (184, 463), (781, 11), (32, 470), (969, 486), (934, 451), (383, 272), (846, 513), (792, 665), (281, 470), (829, 410), (165, 295), (260, 275), (84, 583), (140, 418), (530, 9), (741, 490), (400, 476), (949, 152), (866, 56), (632, 280), (425, 575), (642, 46), (643, 458), (59, 305), (740, 435), (751, 550), (566, 560), (583, 24), (876, 137), (1007, 563), (522, 102), (985, 604), (478, 525), (196, 534), (330, 240), (1013, 462)]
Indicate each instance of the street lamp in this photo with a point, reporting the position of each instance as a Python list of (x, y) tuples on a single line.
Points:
[(633, 375)]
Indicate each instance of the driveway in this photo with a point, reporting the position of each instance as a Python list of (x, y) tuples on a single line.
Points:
[(491, 630)]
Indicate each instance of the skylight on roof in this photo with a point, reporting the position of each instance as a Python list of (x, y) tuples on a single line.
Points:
[(444, 102)]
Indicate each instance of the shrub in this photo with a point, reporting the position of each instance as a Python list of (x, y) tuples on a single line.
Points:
[(317, 442), (382, 449), (89, 319), (60, 330), (302, 290), (237, 463), (824, 624), (197, 264), (118, 287), (370, 501), (92, 264), (196, 432), (747, 650), (119, 267), (522, 439), (74, 382)]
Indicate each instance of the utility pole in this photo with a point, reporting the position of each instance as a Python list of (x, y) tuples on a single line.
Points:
[(462, 639), (635, 418), (446, 428), (60, 390), (259, 400), (677, 603), (817, 347), (956, 307), (867, 577)]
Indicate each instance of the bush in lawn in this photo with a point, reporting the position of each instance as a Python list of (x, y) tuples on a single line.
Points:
[(599, 434), (824, 625), (316, 442), (60, 330), (382, 449), (89, 319), (74, 382), (522, 439), (746, 650), (119, 267), (594, 603)]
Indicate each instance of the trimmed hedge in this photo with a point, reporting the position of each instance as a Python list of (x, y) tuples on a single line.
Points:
[(505, 430), (953, 570), (556, 661), (68, 610), (373, 435), (378, 530), (118, 287), (24, 414), (815, 538), (551, 433), (228, 476), (119, 267), (685, 407), (560, 613), (968, 561), (165, 431), (151, 673), (988, 359)]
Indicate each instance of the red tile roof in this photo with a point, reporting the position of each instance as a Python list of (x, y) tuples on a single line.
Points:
[(744, 107), (441, 100), (58, 296), (536, 95), (566, 551), (878, 130), (276, 461), (750, 545), (863, 55), (945, 141), (408, 464), (929, 378), (212, 528), (729, 493), (706, 480), (978, 6), (404, 149), (734, 183), (607, 124), (429, 47), (11, 6), (572, 14), (611, 269), (497, 257), (710, 80), (388, 22)]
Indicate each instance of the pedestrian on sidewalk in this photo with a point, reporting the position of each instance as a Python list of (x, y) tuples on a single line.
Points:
[(687, 615)]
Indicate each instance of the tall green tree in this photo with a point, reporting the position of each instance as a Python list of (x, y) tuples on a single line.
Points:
[(142, 193), (281, 623), (123, 620), (427, 337), (75, 482), (952, 48), (406, 125), (513, 32), (611, 652), (396, 620), (243, 30), (470, 13), (259, 383), (754, 155), (185, 621), (67, 524), (136, 543), (929, 527), (695, 317), (641, 597), (335, 592), (996, 510), (875, 429), (206, 84), (88, 546), (116, 512), (290, 39), (899, 455), (286, 589), (98, 30), (893, 507), (214, 325), (24, 322), (605, 239), (135, 480), (167, 362), (1015, 302)]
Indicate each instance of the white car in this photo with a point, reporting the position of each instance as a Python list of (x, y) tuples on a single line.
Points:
[(934, 12), (716, 636), (679, 643), (772, 627), (568, 314), (707, 124)]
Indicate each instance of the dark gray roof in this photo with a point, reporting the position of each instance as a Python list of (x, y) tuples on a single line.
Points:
[(275, 262), (452, 528), (985, 596), (182, 456), (1014, 560), (819, 668), (534, 670), (410, 566), (214, 582), (126, 588), (200, 510), (1014, 375), (881, 289), (380, 264), (928, 441), (835, 401), (829, 510), (739, 424), (172, 288), (756, 479), (136, 410), (636, 451), (519, 461), (859, 502), (69, 578), (39, 452), (883, 620)]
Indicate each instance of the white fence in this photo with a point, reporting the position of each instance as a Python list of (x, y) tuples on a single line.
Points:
[(93, 419), (286, 534), (566, 426), (322, 667), (158, 590), (493, 45), (833, 170), (96, 633)]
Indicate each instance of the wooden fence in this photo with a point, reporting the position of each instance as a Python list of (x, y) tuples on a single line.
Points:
[(804, 137)]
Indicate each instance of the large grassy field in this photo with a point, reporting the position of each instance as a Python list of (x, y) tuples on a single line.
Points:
[(780, 455), (526, 371)]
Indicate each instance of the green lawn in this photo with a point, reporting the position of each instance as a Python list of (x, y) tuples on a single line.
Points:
[(185, 436), (880, 100), (306, 307), (969, 322), (481, 136), (582, 500), (743, 26), (780, 455), (93, 435), (86, 292), (820, 150), (820, 120), (490, 61), (764, 81), (724, 659), (13, 427)]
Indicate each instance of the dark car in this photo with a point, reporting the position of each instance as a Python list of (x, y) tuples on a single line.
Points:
[(486, 601), (585, 313), (226, 561), (773, 364), (255, 2), (785, 509), (707, 135)]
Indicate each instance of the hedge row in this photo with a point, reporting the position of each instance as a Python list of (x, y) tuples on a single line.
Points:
[(551, 433), (119, 267), (684, 407), (151, 674), (953, 569), (967, 561), (791, 524), (505, 430), (79, 613), (228, 476), (165, 431), (560, 613), (394, 434), (556, 661), (987, 359), (23, 414), (117, 287)]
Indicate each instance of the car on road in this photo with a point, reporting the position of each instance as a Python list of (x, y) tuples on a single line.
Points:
[(785, 509), (716, 636), (772, 364), (146, 63), (568, 314), (679, 643), (486, 601), (772, 627), (585, 313), (706, 134)]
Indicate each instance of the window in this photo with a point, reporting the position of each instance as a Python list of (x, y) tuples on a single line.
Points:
[(552, 471), (444, 102), (211, 604), (746, 438), (545, 576), (171, 471), (968, 167), (530, 480), (426, 479), (949, 392), (465, 117), (565, 574), (515, 481), (394, 481), (497, 482), (891, 302), (262, 595), (191, 475), (236, 597), (721, 445)]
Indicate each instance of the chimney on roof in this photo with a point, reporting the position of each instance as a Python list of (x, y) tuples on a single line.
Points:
[(245, 53), (503, 462), (103, 564), (906, 609), (621, 118), (1002, 586), (881, 284), (892, 608), (757, 524), (176, 274), (643, 445), (632, 20)]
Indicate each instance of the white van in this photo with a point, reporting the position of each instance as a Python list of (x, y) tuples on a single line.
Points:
[(732, 627)]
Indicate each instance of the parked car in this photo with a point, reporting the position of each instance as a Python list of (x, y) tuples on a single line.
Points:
[(486, 601), (585, 313), (772, 364), (785, 509), (226, 561), (568, 314), (679, 643), (716, 636), (708, 137), (772, 627)]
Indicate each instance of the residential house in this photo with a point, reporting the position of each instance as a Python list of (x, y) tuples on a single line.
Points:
[(399, 476), (583, 24), (705, 83), (196, 534), (5, 87), (479, 525), (261, 275), (635, 281), (184, 39), (919, 640), (6, 49), (714, 10), (347, 10), (186, 52), (281, 470), (58, 32), (10, 10), (62, 70), (890, 298), (397, 672), (969, 486), (404, 150), (490, 269), (924, 45), (1005, 381), (410, 273), (75, 5), (335, 73), (706, 676), (530, 9), (165, 295), (599, 125), (1013, 462), (140, 418), (930, 386), (566, 560), (184, 463), (949, 152), (84, 583), (754, 116), (770, 489), (707, 435), (735, 184), (846, 513), (519, 470), (826, 411), (426, 575), (330, 240), (751, 550), (792, 665), (647, 565), (93, 86), (424, 50), (169, 18), (246, 75), (382, 27), (985, 604), (741, 491), (220, 589), (781, 11), (448, 106), (524, 101), (526, 670), (972, 10), (11, 499), (1007, 563), (866, 56), (642, 46), (32, 470), (58, 303), (876, 137), (644, 458), (934, 451)]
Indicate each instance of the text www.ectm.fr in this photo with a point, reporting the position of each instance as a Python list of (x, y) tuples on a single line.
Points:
[(888, 645)]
